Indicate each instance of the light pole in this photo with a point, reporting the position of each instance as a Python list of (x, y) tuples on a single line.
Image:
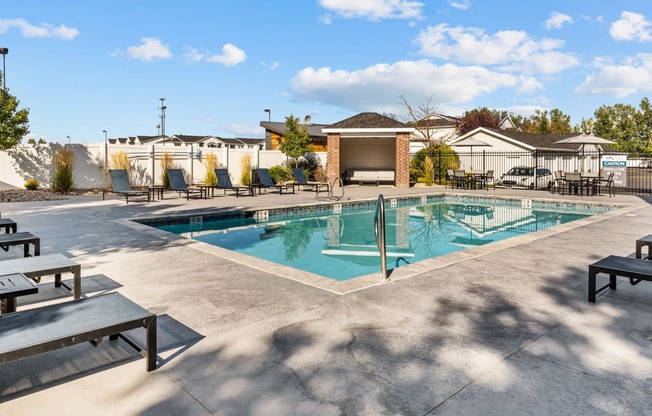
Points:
[(269, 114), (163, 108), (68, 139), (106, 156), (4, 52)]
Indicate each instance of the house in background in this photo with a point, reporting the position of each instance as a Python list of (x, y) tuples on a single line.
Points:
[(274, 132), (436, 127), (179, 140)]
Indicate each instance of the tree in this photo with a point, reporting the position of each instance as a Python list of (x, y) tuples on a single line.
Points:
[(478, 117), (553, 122), (620, 123), (296, 139), (14, 123), (423, 117)]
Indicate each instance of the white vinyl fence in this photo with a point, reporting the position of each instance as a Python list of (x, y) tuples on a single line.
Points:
[(27, 161)]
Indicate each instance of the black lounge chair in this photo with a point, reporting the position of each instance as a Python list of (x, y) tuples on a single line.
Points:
[(635, 269), (224, 182), (122, 187), (178, 183), (265, 181), (301, 180)]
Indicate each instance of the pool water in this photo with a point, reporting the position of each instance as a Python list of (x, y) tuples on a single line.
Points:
[(343, 246)]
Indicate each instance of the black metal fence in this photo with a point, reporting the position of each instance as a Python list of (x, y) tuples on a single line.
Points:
[(637, 176)]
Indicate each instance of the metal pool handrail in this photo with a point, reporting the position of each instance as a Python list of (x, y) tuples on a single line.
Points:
[(330, 189), (379, 232)]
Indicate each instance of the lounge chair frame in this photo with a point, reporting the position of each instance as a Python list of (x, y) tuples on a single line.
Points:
[(266, 182), (224, 182), (300, 180)]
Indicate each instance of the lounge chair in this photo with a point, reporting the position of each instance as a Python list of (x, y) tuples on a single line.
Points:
[(224, 182), (122, 187), (8, 225), (178, 183), (635, 269), (301, 180), (265, 181)]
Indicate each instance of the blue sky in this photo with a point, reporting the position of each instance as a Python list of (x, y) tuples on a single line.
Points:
[(85, 67)]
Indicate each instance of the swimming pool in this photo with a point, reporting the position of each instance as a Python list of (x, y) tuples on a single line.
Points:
[(342, 246)]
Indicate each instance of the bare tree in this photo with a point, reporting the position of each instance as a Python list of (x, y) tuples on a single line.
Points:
[(424, 118)]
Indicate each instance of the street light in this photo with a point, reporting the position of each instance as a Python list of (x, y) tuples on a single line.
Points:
[(68, 139), (4, 52), (106, 156), (269, 113), (163, 108)]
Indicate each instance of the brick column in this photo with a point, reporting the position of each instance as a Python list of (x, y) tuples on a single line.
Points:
[(402, 160), (333, 156)]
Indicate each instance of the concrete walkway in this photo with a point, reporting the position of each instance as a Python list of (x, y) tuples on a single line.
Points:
[(505, 331)]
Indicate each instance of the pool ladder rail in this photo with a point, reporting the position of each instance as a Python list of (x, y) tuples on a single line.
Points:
[(380, 234), (331, 188)]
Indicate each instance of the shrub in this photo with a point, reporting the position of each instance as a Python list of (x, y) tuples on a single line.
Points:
[(32, 184), (41, 141), (319, 175), (443, 157), (120, 160), (64, 166), (280, 174), (31, 141), (167, 162), (427, 170), (245, 169), (210, 163)]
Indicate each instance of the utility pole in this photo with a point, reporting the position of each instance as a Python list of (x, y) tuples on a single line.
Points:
[(163, 108)]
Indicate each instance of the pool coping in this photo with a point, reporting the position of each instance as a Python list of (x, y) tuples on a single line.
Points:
[(401, 273)]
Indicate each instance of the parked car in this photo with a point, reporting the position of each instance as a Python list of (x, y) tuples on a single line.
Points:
[(522, 177)]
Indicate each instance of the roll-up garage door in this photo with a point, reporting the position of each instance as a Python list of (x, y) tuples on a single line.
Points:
[(368, 153)]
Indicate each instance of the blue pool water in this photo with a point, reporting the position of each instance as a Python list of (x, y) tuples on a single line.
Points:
[(343, 247)]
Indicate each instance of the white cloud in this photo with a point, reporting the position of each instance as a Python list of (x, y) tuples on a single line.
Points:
[(326, 19), (632, 76), (513, 50), (557, 20), (193, 55), (231, 56), (460, 5), (149, 49), (374, 10), (631, 26), (365, 89), (45, 30), (241, 130), (274, 65)]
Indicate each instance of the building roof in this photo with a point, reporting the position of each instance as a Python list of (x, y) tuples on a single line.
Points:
[(436, 121), (314, 130), (369, 121), (531, 140)]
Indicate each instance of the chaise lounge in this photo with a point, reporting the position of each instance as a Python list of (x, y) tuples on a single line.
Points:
[(301, 180), (635, 269), (224, 182), (122, 187), (178, 183), (265, 181)]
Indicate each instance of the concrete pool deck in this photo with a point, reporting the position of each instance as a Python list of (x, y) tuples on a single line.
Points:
[(503, 331)]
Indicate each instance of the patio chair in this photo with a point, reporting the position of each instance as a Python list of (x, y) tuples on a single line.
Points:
[(483, 180), (178, 183), (301, 180), (461, 180), (606, 182), (224, 182), (574, 181), (265, 181), (122, 187), (450, 178), (559, 182)]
